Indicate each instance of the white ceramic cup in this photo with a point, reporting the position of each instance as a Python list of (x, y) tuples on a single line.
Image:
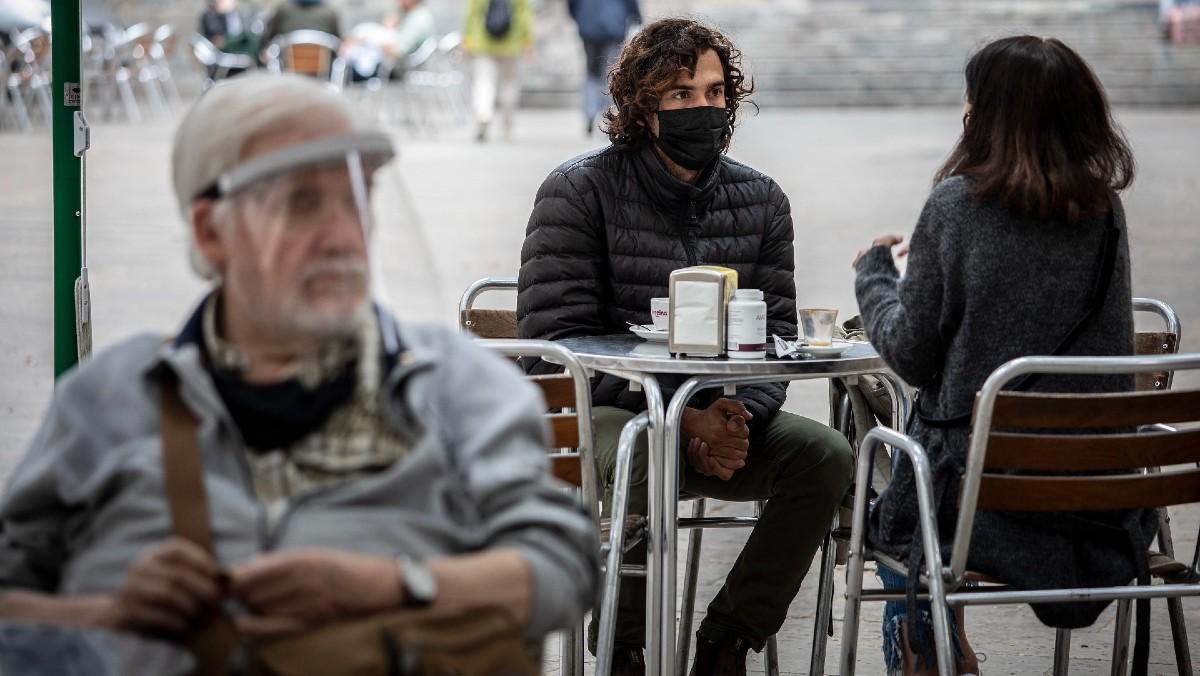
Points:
[(660, 313)]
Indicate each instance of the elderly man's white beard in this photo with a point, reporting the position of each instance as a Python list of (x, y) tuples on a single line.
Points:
[(330, 318)]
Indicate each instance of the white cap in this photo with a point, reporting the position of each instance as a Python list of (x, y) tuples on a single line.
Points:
[(748, 294)]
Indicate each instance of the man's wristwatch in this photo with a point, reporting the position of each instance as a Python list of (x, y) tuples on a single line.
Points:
[(418, 582)]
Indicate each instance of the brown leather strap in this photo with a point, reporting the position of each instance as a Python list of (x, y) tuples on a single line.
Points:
[(182, 473), (215, 640)]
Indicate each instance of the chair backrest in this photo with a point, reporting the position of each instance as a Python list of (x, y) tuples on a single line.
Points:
[(203, 49), (421, 56), (568, 412), (487, 323), (307, 52), (1057, 461), (164, 42), (1166, 341)]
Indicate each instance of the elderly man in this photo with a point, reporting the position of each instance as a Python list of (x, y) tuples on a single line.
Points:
[(606, 231), (352, 464)]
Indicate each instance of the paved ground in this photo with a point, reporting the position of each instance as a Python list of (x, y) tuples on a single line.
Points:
[(453, 211)]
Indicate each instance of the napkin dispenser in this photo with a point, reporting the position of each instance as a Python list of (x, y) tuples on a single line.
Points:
[(699, 298)]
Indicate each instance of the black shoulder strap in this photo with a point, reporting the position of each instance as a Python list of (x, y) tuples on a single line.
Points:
[(1108, 260)]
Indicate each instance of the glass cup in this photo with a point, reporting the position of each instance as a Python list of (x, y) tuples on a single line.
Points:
[(660, 313), (817, 326)]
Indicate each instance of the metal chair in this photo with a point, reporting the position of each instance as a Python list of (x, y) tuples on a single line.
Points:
[(993, 481), (492, 322), (12, 96), (217, 64), (161, 51), (308, 52), (29, 73), (568, 398)]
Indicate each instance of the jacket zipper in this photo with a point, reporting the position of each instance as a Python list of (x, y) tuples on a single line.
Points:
[(690, 227)]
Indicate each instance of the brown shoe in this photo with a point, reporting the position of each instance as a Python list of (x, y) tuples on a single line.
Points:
[(628, 661), (727, 658)]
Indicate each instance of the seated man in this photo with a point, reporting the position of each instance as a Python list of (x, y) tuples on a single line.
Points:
[(371, 46), (606, 231), (343, 454)]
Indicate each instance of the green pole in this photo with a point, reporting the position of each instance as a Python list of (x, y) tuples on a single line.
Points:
[(65, 17)]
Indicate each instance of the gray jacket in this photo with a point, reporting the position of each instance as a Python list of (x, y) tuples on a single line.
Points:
[(88, 495), (984, 287)]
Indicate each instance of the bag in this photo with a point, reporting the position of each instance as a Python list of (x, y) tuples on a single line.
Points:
[(401, 642), (498, 19), (415, 641)]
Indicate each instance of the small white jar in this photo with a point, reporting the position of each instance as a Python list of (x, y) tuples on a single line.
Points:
[(746, 325)]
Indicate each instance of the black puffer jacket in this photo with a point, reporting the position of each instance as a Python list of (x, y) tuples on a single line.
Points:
[(609, 227)]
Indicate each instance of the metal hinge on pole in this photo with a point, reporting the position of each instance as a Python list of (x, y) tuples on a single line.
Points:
[(83, 291)]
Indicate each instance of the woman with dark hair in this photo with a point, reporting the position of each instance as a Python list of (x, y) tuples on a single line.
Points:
[(1008, 256)]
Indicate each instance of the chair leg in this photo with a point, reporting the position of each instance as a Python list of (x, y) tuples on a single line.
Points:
[(824, 615), (683, 643), (1183, 657), (571, 655), (771, 659), (1120, 659), (616, 539), (1062, 652)]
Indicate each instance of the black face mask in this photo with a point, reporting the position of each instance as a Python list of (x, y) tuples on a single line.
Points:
[(692, 137)]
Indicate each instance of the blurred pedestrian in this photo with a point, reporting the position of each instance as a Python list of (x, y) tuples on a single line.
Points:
[(602, 27), (496, 33)]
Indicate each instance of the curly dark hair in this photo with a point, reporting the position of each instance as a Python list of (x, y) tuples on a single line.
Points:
[(648, 67)]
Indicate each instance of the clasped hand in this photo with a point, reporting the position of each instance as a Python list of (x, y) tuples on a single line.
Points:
[(173, 585), (718, 438)]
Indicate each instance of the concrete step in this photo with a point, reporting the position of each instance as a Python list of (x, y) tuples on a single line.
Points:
[(908, 52)]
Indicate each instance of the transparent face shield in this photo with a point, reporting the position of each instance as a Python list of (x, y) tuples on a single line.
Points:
[(304, 225)]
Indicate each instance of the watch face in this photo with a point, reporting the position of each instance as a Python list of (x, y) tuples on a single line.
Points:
[(420, 584)]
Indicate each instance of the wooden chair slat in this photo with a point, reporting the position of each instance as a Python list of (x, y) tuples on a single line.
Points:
[(567, 467), (558, 390), (308, 59), (564, 430), (1153, 343), (1061, 494), (496, 324), (1039, 410), (1091, 452)]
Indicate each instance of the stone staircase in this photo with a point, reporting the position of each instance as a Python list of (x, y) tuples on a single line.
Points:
[(896, 52)]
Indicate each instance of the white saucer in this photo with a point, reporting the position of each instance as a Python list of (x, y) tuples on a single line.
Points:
[(838, 347), (652, 335)]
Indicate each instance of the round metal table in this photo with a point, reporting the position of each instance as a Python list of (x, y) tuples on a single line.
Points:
[(637, 361)]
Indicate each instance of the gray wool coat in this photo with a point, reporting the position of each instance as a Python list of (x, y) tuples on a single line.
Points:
[(984, 286)]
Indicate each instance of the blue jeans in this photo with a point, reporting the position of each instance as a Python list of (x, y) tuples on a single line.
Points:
[(895, 613)]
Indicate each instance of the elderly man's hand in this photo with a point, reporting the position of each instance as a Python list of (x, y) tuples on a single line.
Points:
[(724, 438), (297, 589), (169, 586)]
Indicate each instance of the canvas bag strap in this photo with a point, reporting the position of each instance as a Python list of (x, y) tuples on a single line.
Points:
[(215, 640)]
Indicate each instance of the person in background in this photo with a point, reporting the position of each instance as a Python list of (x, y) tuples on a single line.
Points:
[(294, 15), (602, 27), (371, 46), (1022, 222), (607, 230), (226, 28), (353, 463), (495, 35)]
